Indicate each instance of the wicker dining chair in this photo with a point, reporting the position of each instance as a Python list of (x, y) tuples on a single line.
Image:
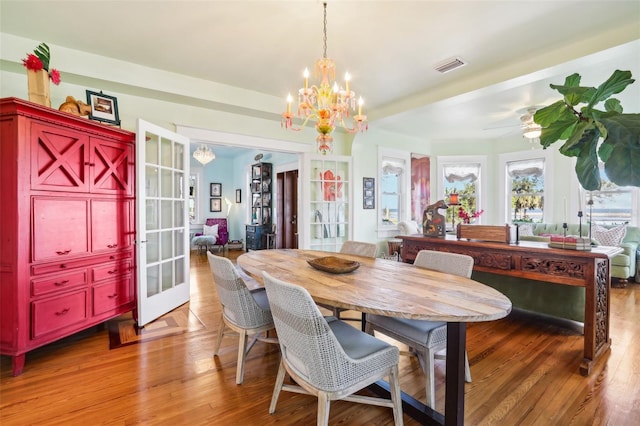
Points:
[(357, 248), (244, 312), (426, 338), (327, 357)]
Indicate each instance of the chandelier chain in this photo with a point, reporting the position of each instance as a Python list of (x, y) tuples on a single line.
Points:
[(324, 32)]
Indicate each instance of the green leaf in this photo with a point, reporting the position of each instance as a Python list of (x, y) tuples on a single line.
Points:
[(576, 140), (621, 149), (587, 162), (613, 105), (618, 81), (551, 113), (557, 129), (43, 53), (578, 95), (570, 81)]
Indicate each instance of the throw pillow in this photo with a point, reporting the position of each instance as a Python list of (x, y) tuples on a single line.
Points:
[(211, 230), (525, 230), (608, 237)]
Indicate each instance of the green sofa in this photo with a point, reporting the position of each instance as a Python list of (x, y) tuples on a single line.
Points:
[(624, 266)]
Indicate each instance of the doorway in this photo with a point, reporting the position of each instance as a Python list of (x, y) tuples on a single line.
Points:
[(287, 209)]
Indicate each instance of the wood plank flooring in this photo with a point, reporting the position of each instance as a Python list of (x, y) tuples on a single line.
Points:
[(524, 368)]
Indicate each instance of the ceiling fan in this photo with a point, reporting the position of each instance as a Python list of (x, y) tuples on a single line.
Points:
[(530, 129)]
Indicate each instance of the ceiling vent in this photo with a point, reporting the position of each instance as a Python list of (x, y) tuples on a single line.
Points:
[(450, 65)]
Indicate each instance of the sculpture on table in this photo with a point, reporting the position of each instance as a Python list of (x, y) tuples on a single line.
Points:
[(75, 107), (433, 223)]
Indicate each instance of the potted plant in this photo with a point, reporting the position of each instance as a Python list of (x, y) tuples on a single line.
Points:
[(593, 134)]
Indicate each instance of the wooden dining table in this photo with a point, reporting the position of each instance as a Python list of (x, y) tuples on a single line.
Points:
[(395, 289)]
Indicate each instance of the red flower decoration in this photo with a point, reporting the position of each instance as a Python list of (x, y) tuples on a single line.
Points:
[(40, 60), (467, 216), (32, 62), (55, 76)]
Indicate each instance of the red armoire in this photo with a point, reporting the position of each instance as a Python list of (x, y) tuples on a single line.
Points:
[(67, 225)]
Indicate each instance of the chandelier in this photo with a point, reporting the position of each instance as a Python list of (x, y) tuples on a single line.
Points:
[(203, 154), (327, 104)]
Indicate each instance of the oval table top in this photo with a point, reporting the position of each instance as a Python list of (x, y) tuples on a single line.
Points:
[(384, 287)]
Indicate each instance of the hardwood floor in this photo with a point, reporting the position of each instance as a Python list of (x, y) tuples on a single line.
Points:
[(524, 368)]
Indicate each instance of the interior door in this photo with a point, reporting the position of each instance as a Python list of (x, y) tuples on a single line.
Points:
[(287, 208), (162, 246)]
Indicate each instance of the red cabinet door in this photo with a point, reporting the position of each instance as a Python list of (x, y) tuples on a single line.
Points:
[(59, 159), (59, 228), (110, 225), (111, 167)]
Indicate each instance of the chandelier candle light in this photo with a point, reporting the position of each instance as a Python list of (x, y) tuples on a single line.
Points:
[(328, 104)]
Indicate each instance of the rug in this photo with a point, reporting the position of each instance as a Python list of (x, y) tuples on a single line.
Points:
[(123, 330)]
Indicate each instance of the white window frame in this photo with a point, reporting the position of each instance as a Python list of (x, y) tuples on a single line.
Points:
[(453, 160), (403, 157), (635, 201), (505, 192)]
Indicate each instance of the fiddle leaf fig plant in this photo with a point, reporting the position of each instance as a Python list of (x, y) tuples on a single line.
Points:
[(592, 134)]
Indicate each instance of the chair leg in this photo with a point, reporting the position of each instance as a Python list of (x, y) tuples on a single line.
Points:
[(277, 388), (429, 373), (242, 348), (323, 408), (369, 329), (395, 395), (216, 347), (467, 370)]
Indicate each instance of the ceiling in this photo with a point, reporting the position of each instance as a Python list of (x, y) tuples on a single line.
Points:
[(513, 48)]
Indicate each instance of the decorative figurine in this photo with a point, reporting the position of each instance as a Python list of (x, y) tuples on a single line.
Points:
[(75, 107), (433, 223)]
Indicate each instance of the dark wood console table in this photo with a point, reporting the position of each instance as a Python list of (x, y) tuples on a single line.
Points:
[(537, 261)]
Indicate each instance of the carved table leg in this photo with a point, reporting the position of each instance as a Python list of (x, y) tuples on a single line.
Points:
[(596, 316)]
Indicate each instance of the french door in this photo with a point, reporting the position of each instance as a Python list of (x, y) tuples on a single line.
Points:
[(162, 246)]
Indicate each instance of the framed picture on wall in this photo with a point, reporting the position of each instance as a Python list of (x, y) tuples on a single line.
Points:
[(368, 193), (103, 108), (216, 190), (216, 204), (238, 195)]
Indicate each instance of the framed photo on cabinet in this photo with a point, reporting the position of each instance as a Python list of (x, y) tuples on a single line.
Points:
[(215, 190), (368, 193), (216, 204), (103, 108)]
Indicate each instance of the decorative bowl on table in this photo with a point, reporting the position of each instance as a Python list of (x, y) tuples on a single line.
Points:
[(333, 264)]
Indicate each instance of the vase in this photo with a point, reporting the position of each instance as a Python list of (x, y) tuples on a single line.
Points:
[(38, 87)]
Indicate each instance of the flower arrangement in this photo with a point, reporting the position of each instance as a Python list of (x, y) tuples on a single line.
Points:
[(466, 216), (39, 60)]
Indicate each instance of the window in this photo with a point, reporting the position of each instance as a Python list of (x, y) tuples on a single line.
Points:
[(394, 204), (391, 191), (462, 175), (525, 183), (461, 179), (611, 204), (525, 188)]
